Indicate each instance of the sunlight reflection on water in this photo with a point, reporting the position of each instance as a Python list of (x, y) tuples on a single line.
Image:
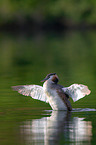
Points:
[(59, 127)]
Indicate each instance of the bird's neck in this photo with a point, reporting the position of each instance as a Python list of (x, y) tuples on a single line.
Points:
[(47, 85), (55, 79)]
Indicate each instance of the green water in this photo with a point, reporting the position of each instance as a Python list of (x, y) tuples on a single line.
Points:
[(26, 59)]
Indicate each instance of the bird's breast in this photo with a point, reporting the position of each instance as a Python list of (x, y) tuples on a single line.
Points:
[(54, 99)]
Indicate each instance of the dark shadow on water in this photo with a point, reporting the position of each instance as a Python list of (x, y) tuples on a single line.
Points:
[(59, 128)]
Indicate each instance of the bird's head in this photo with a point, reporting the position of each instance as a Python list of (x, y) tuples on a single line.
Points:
[(51, 77)]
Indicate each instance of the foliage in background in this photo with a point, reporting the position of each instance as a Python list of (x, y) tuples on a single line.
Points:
[(68, 12)]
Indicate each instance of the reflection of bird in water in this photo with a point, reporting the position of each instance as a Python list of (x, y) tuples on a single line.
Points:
[(53, 93), (59, 127)]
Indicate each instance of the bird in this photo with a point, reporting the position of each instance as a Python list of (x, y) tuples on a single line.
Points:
[(53, 93)]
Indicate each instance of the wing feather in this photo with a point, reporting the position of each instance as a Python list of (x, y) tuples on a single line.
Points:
[(77, 91), (35, 91)]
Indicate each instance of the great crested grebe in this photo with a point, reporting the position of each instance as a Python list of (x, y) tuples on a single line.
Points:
[(53, 93)]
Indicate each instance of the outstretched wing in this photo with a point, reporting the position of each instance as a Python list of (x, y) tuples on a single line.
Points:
[(35, 91), (77, 91)]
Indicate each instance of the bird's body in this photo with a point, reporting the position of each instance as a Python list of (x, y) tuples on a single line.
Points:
[(53, 98), (53, 93)]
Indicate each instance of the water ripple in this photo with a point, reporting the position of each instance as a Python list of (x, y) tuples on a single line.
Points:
[(82, 109)]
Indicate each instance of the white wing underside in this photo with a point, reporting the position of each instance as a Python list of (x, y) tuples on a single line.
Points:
[(76, 91), (35, 91)]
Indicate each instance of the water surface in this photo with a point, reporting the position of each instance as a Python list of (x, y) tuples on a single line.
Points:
[(61, 127), (26, 59)]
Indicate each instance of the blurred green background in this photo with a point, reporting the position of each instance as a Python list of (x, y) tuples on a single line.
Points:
[(37, 38), (28, 59), (47, 14)]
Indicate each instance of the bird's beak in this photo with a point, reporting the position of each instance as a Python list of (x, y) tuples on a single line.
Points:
[(44, 79)]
